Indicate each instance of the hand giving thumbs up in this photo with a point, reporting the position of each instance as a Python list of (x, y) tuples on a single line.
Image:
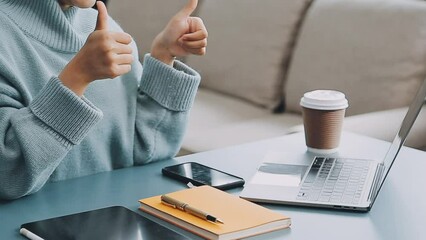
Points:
[(182, 36), (105, 54)]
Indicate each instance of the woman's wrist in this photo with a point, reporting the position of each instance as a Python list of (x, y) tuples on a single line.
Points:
[(74, 80), (160, 52)]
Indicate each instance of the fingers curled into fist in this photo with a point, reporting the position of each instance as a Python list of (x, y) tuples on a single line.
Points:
[(105, 54), (182, 36), (195, 42), (112, 49)]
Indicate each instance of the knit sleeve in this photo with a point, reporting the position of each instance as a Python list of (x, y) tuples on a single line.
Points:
[(35, 138), (165, 97)]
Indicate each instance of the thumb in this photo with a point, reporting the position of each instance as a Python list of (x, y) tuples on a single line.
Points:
[(187, 10), (102, 22)]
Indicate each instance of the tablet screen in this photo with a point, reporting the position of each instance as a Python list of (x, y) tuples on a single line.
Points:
[(106, 223)]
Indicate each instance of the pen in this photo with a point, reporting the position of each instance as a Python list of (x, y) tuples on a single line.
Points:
[(171, 202)]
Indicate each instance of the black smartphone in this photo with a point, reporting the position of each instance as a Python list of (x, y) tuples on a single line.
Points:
[(199, 174)]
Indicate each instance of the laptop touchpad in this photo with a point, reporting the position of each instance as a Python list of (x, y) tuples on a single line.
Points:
[(279, 174)]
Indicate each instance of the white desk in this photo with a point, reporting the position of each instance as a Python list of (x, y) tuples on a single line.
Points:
[(399, 211)]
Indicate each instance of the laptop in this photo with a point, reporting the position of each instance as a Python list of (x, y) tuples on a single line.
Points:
[(329, 182)]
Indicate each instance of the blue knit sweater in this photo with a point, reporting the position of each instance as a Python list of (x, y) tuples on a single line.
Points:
[(47, 133)]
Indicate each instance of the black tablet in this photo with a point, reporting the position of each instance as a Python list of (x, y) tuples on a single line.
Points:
[(107, 223)]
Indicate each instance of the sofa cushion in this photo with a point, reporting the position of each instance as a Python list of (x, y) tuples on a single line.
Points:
[(217, 120), (372, 50), (248, 46), (212, 109)]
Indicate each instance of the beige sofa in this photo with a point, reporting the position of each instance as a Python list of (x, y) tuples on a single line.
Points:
[(264, 54)]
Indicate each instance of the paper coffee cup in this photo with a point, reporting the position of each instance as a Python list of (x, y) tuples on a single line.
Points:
[(323, 113)]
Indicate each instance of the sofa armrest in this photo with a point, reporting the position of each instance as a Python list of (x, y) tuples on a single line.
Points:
[(385, 124)]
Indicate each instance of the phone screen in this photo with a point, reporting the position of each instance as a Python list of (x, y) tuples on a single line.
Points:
[(199, 174)]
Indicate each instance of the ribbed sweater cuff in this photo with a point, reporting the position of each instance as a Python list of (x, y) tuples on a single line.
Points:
[(174, 88), (66, 113)]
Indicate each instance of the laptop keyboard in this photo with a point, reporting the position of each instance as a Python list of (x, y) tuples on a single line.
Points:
[(339, 180)]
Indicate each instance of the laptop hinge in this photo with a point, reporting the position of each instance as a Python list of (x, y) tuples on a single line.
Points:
[(376, 181)]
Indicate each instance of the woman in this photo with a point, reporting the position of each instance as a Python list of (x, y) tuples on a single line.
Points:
[(73, 98)]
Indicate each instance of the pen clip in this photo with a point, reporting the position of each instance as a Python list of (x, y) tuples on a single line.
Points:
[(168, 204), (163, 201)]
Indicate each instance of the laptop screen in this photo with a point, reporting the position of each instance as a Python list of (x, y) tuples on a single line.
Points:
[(407, 123)]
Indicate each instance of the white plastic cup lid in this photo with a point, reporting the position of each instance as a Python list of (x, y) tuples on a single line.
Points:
[(324, 100)]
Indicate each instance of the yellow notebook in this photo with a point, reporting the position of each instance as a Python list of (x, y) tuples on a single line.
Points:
[(241, 218)]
